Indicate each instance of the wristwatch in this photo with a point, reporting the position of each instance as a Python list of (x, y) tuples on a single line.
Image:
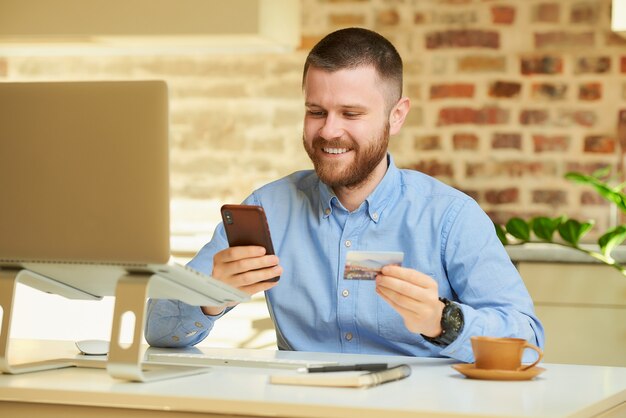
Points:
[(451, 324)]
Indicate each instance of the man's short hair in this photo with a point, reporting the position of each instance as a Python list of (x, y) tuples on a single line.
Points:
[(356, 47)]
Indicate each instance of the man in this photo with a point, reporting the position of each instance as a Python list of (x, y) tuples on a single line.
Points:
[(456, 279)]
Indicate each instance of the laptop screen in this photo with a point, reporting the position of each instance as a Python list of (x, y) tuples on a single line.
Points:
[(84, 172)]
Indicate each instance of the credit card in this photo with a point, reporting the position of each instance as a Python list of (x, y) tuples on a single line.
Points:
[(365, 265)]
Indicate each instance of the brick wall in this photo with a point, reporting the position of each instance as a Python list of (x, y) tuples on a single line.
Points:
[(507, 97)]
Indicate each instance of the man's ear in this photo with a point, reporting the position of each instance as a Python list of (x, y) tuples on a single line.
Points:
[(398, 115)]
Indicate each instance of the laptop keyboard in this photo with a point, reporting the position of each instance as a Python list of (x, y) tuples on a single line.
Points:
[(211, 360), (220, 292)]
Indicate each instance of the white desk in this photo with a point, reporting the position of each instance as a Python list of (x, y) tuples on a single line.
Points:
[(433, 390)]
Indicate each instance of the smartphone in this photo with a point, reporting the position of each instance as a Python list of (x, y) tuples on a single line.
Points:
[(247, 225)]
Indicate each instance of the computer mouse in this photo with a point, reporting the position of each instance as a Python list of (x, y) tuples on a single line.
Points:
[(93, 347)]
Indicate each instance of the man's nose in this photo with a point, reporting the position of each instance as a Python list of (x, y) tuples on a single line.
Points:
[(332, 127)]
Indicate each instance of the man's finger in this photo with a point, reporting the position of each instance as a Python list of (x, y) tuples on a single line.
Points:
[(408, 289), (252, 277), (258, 287), (399, 300), (249, 264), (237, 253), (409, 275)]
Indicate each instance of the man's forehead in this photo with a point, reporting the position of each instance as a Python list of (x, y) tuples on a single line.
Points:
[(349, 87), (359, 78)]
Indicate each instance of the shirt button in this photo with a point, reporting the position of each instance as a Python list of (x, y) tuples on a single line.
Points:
[(348, 243), (198, 324), (345, 293), (349, 336), (175, 338), (327, 211), (375, 216)]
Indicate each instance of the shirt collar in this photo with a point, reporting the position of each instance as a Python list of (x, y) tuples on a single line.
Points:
[(326, 199), (376, 201)]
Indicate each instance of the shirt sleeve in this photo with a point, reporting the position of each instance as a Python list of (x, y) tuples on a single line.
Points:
[(486, 284), (172, 323)]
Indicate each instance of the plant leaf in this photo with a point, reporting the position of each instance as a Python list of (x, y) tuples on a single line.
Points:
[(544, 227), (578, 177), (611, 239), (602, 172), (619, 187), (572, 230), (518, 228), (613, 195), (501, 233)]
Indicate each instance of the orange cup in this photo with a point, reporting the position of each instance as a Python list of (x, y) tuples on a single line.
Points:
[(493, 353)]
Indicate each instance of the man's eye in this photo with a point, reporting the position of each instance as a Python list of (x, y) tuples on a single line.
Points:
[(315, 113), (351, 115)]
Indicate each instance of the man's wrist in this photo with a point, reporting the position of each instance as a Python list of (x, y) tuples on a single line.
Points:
[(212, 310), (452, 323), (436, 329)]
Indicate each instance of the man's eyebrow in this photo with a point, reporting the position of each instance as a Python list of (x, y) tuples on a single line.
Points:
[(345, 106), (354, 106)]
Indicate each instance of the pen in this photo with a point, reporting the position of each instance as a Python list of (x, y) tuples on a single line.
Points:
[(368, 367)]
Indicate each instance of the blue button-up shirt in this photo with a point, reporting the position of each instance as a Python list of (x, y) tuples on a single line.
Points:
[(442, 232)]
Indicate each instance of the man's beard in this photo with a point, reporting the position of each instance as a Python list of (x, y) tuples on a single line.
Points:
[(359, 171)]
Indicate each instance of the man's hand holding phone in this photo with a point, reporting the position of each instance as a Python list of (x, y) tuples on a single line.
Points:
[(249, 264), (247, 268)]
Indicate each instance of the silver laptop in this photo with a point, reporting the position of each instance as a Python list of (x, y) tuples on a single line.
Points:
[(84, 189)]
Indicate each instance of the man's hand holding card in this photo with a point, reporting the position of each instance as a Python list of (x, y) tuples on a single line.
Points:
[(414, 295), (365, 265)]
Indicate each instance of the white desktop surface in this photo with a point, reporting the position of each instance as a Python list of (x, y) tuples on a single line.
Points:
[(433, 390)]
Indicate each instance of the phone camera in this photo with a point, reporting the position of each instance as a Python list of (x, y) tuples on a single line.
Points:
[(228, 216)]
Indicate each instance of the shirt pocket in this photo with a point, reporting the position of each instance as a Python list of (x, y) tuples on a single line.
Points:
[(391, 324)]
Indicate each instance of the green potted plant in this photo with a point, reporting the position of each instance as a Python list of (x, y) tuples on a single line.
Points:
[(569, 232)]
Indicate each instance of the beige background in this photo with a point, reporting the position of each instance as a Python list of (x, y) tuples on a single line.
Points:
[(480, 121)]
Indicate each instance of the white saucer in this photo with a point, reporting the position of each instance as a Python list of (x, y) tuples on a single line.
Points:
[(472, 372)]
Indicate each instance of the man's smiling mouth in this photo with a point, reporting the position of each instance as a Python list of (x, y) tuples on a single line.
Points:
[(335, 150)]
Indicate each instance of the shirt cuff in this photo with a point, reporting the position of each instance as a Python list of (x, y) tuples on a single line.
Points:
[(461, 348)]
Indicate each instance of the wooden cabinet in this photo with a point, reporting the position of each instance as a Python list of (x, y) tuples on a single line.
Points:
[(583, 309)]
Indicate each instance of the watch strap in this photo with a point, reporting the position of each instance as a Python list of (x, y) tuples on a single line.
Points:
[(449, 331)]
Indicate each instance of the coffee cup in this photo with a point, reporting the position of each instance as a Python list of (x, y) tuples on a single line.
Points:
[(493, 353)]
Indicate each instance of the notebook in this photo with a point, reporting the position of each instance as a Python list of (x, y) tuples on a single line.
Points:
[(84, 180), (343, 379)]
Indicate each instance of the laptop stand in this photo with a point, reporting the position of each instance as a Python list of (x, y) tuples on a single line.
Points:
[(124, 360), (9, 278)]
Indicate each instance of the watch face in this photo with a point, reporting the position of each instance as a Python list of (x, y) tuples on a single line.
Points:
[(452, 319)]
